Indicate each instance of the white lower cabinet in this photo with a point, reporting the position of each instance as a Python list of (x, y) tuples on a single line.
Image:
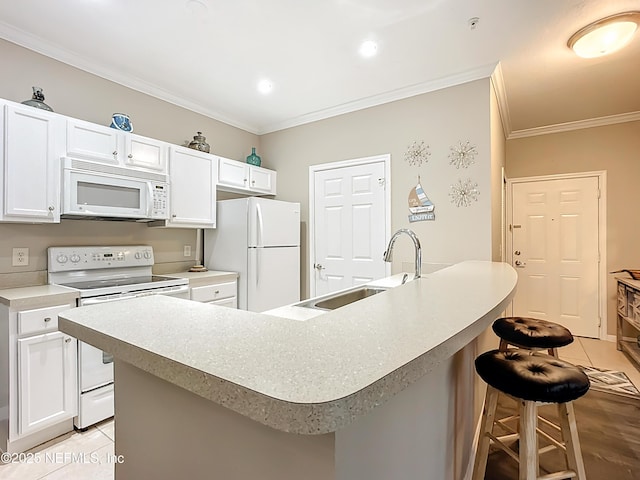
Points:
[(47, 384), (39, 396), (224, 294)]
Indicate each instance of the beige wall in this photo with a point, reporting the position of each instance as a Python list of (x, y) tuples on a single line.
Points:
[(614, 148), (78, 94), (440, 119)]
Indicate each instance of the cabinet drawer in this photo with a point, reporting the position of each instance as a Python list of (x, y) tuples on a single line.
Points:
[(231, 302), (40, 319), (214, 292)]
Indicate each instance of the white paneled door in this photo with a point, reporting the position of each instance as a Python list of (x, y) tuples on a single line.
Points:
[(555, 250), (349, 226)]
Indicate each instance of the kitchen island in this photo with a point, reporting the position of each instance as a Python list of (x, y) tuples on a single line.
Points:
[(381, 388)]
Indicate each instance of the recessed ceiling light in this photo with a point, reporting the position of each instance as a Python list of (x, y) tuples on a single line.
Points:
[(368, 48), (604, 36), (265, 86)]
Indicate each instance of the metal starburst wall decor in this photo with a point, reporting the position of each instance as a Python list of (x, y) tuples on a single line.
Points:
[(462, 154), (463, 193), (417, 154)]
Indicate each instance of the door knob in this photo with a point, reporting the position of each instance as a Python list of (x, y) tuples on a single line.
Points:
[(318, 267), (517, 252), (520, 264)]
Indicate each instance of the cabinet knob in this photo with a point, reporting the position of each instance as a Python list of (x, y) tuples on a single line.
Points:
[(217, 292), (51, 208), (253, 182), (130, 155), (245, 180), (173, 215), (67, 340), (115, 153), (47, 319)]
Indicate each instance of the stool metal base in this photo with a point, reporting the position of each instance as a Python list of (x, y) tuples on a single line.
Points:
[(528, 450)]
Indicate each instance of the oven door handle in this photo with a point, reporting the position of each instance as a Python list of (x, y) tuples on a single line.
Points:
[(111, 298), (158, 291)]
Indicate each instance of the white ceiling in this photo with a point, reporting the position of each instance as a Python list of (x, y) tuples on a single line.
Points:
[(208, 55)]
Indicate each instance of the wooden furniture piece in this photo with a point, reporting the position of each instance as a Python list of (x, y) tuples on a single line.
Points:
[(628, 313), (531, 378), (531, 334)]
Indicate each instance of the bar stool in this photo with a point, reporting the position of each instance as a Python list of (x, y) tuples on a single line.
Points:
[(531, 334), (531, 378)]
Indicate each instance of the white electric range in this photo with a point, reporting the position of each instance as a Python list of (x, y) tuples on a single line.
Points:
[(105, 274)]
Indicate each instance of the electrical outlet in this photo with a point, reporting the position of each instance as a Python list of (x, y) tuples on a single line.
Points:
[(20, 257), (187, 251)]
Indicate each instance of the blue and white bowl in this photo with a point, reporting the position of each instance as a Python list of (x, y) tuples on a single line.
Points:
[(121, 121)]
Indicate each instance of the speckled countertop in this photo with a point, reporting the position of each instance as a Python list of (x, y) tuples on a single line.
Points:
[(205, 278), (37, 296), (307, 377)]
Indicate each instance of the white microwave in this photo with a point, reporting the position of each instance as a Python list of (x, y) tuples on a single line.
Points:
[(99, 191)]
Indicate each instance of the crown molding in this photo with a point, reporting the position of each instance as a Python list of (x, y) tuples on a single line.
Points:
[(577, 125), (466, 76), (32, 42)]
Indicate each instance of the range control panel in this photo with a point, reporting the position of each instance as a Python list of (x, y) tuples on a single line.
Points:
[(66, 259)]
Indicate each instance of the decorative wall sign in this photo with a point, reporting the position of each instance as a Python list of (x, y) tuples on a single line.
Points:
[(462, 154), (420, 207), (417, 154), (463, 193)]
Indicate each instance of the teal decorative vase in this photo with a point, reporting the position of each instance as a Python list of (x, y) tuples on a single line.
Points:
[(254, 159)]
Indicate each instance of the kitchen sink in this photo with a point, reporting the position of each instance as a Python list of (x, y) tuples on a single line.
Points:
[(337, 300)]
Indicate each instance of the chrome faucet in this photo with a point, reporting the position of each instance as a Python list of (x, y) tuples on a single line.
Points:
[(416, 245)]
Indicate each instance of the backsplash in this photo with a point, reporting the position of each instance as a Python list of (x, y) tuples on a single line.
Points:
[(168, 245)]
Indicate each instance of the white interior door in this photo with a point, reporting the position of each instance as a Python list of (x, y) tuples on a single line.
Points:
[(350, 226), (555, 250)]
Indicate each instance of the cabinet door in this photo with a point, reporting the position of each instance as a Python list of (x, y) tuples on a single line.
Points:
[(94, 142), (262, 180), (193, 192), (31, 180), (233, 173), (47, 384), (146, 153)]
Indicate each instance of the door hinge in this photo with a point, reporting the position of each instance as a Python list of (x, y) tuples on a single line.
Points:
[(598, 193), (382, 182)]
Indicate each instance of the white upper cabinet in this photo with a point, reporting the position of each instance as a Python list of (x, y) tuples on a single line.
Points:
[(107, 145), (31, 144), (193, 177), (239, 177)]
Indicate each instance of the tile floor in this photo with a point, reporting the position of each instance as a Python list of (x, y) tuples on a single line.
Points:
[(89, 455)]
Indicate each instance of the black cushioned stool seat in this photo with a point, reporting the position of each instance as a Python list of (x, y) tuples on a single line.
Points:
[(531, 333), (530, 377)]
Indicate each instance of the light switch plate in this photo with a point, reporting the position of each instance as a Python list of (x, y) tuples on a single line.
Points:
[(20, 257)]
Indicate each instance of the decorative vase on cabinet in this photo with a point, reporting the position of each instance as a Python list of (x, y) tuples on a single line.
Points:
[(199, 143), (254, 159)]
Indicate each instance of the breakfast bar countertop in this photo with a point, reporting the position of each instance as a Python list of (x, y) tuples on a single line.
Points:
[(308, 377)]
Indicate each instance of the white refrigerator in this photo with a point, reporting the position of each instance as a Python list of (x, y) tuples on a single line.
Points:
[(260, 239)]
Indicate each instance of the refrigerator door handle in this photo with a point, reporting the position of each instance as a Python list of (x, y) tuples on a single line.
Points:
[(260, 239), (258, 266)]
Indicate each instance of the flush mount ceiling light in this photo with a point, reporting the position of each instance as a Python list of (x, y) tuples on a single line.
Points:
[(605, 36), (368, 48), (265, 86)]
